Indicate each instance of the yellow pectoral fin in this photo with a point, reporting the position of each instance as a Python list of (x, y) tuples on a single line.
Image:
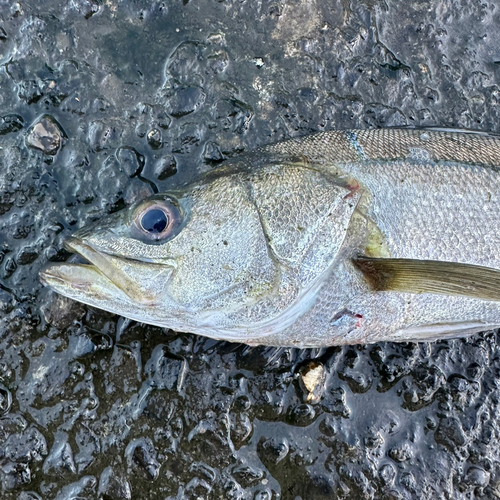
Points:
[(430, 276)]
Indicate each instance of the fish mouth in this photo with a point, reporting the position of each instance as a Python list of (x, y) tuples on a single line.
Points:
[(102, 279)]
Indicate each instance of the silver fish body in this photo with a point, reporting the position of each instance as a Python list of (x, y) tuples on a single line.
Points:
[(336, 238)]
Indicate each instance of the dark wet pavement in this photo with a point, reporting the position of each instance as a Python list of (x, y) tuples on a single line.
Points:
[(104, 102)]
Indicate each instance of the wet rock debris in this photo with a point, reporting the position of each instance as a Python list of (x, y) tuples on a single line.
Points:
[(104, 103)]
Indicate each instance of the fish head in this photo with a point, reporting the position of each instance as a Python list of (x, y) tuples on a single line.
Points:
[(224, 257)]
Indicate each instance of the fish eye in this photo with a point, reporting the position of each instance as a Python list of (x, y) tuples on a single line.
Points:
[(157, 219), (154, 221)]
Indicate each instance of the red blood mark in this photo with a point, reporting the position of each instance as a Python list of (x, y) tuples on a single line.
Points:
[(359, 320), (353, 187)]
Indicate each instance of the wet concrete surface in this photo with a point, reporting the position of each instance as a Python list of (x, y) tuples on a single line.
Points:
[(104, 102)]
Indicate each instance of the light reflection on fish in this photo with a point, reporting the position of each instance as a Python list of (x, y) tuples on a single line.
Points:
[(340, 237)]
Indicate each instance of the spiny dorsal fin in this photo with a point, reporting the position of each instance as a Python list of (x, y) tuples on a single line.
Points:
[(430, 276)]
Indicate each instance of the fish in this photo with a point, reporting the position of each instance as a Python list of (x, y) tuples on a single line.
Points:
[(339, 237)]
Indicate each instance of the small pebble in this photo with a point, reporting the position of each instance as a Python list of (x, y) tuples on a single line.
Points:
[(185, 101), (165, 168), (212, 152), (312, 380), (154, 139), (45, 135)]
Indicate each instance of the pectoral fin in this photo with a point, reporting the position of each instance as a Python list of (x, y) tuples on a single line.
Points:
[(430, 276)]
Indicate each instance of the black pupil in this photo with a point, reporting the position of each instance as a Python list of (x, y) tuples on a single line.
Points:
[(154, 221)]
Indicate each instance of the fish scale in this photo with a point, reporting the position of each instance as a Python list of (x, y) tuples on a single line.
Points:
[(392, 144), (397, 187), (444, 210), (340, 237), (420, 223)]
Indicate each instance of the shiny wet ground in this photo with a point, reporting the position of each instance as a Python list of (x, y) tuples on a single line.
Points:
[(101, 104)]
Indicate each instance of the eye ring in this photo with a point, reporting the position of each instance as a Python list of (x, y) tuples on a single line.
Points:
[(157, 220)]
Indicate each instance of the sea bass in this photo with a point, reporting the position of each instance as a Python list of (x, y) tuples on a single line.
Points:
[(341, 237)]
